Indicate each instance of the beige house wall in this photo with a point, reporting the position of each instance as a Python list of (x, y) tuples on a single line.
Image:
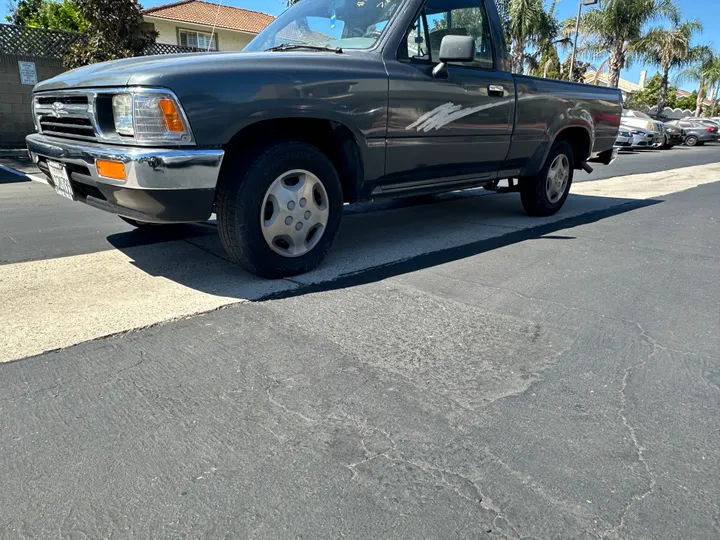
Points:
[(227, 40)]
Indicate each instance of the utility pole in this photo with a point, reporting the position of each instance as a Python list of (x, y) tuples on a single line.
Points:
[(577, 31)]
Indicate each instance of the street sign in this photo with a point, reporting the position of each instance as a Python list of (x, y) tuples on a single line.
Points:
[(28, 73)]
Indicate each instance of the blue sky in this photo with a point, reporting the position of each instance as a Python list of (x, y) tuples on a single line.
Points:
[(700, 9)]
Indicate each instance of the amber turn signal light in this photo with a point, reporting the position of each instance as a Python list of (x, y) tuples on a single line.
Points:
[(111, 169), (172, 117)]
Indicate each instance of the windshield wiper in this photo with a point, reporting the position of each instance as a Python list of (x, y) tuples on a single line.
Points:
[(292, 46)]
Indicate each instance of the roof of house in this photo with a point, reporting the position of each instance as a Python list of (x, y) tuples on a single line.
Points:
[(602, 79), (684, 93), (209, 14)]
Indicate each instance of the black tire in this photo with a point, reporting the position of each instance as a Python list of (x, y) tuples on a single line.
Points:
[(241, 193), (532, 189), (692, 140), (665, 145)]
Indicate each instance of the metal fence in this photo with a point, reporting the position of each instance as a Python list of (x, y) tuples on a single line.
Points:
[(24, 40)]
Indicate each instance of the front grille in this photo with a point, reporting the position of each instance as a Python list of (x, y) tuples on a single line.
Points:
[(66, 100), (68, 115), (67, 126)]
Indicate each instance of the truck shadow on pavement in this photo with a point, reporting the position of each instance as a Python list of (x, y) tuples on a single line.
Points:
[(376, 242)]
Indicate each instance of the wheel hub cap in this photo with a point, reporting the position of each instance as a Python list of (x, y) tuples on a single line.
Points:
[(294, 213), (557, 178)]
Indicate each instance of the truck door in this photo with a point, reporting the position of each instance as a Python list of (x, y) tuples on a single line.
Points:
[(447, 128)]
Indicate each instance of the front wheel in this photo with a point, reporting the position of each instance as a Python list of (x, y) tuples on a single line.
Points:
[(545, 193), (692, 140), (279, 212)]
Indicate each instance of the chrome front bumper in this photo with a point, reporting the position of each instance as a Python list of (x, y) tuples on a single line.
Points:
[(146, 168), (161, 185)]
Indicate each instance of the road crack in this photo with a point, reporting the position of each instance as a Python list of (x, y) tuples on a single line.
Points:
[(639, 447)]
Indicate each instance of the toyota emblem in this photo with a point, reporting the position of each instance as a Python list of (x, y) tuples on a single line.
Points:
[(58, 109)]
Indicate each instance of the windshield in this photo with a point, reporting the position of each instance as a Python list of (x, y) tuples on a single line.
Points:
[(347, 24)]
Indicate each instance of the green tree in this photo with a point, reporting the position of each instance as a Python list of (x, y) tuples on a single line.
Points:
[(530, 25), (616, 25), (706, 72), (578, 73), (114, 31), (23, 11), (63, 15), (669, 49), (688, 102), (648, 96)]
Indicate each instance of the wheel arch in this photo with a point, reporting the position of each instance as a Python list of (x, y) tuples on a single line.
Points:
[(334, 139), (580, 139)]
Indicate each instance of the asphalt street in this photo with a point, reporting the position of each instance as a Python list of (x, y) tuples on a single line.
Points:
[(455, 370)]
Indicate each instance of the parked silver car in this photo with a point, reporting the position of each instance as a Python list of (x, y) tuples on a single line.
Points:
[(642, 138), (625, 138), (696, 133), (640, 120)]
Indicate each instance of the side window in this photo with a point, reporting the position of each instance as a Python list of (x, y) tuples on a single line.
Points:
[(440, 18), (415, 47), (460, 18)]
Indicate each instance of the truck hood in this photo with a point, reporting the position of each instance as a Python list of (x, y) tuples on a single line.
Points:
[(161, 70)]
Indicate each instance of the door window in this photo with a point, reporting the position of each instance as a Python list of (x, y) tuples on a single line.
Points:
[(440, 18)]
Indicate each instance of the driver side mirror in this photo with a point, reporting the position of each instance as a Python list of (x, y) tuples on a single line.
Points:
[(454, 49)]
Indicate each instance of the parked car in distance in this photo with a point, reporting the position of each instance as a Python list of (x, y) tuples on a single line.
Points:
[(704, 121), (334, 102), (624, 139), (674, 136), (642, 138), (640, 120), (696, 134)]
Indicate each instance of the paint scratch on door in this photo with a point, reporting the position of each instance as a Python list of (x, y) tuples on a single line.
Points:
[(448, 113)]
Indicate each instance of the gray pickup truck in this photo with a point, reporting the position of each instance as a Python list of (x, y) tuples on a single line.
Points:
[(336, 101)]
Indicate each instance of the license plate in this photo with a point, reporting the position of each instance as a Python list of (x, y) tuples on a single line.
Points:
[(60, 179)]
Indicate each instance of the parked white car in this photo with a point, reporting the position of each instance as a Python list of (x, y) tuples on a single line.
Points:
[(640, 120)]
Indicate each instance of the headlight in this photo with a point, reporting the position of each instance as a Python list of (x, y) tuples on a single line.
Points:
[(150, 116), (122, 113)]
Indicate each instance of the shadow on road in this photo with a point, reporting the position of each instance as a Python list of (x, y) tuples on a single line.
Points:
[(375, 244)]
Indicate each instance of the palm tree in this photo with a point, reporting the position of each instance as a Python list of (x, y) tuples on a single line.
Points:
[(545, 59), (700, 72), (528, 21), (669, 48), (616, 25), (712, 79)]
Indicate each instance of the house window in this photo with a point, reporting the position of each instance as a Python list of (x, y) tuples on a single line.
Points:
[(197, 40)]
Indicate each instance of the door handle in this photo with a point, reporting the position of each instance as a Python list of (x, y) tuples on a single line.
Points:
[(496, 90)]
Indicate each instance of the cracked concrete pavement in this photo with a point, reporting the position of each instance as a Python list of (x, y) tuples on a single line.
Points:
[(564, 385)]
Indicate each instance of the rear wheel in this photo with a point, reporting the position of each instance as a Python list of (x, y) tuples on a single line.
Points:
[(279, 212), (692, 140), (545, 193)]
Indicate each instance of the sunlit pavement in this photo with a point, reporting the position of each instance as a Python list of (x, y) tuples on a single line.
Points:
[(455, 369)]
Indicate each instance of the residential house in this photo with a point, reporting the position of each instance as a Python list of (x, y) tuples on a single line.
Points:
[(626, 87), (204, 25)]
